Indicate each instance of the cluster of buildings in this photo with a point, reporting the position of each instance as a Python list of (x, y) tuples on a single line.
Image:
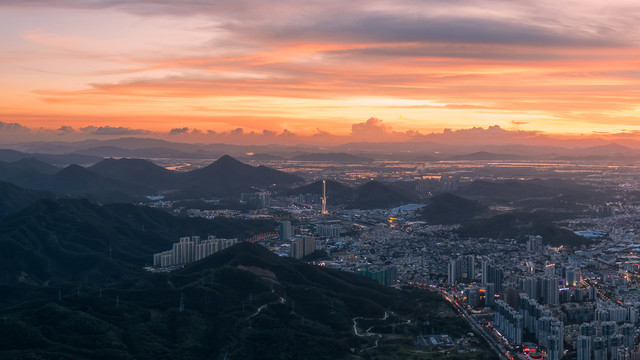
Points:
[(606, 340), (299, 246), (256, 200), (540, 321), (191, 249), (569, 302)]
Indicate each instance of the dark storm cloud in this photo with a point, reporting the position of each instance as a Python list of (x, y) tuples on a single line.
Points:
[(390, 28), (519, 23)]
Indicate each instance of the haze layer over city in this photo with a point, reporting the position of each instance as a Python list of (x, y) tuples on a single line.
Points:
[(319, 180)]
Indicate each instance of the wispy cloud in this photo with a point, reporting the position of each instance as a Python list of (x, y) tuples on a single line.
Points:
[(42, 37), (244, 63)]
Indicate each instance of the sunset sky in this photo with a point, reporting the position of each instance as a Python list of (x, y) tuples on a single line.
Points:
[(362, 68)]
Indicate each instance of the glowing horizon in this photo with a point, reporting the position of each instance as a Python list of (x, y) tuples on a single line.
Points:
[(320, 67)]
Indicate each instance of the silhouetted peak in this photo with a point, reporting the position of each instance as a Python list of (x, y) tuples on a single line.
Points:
[(32, 163), (226, 163), (11, 155), (74, 170), (227, 160), (29, 161)]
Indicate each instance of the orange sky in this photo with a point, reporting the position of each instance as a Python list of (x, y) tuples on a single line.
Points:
[(150, 67)]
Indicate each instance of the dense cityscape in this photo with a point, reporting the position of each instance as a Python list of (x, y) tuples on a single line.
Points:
[(527, 297)]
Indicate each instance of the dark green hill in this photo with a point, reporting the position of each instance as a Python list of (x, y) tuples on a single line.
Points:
[(8, 155), (36, 165), (69, 239), (77, 181), (25, 170), (451, 209), (14, 198), (376, 195), (14, 175), (518, 225), (242, 303), (135, 171)]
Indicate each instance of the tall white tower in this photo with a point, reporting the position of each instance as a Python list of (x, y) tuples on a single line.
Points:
[(324, 197)]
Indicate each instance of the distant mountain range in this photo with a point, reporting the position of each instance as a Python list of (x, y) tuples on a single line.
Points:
[(128, 180), (226, 176), (92, 151), (484, 155), (7, 155), (150, 152)]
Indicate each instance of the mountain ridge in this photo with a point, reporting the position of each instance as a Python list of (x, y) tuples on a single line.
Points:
[(106, 241)]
